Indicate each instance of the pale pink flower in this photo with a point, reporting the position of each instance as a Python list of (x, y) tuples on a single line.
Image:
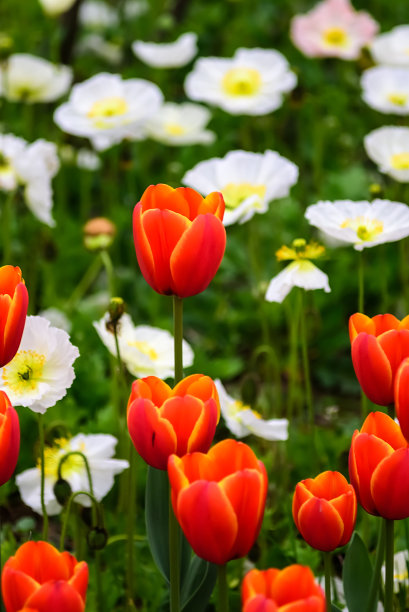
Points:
[(333, 28)]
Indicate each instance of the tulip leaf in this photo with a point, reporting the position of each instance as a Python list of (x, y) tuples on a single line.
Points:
[(198, 585), (157, 523), (335, 608), (357, 575)]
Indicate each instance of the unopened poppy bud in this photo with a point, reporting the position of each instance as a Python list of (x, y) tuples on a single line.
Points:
[(97, 538), (116, 309), (376, 190), (62, 491), (99, 234)]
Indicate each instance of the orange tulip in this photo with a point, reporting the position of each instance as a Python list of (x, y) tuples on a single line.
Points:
[(378, 467), (9, 438), (218, 499), (402, 396), (40, 577), (324, 510), (378, 346), (162, 421), (179, 238), (13, 312), (292, 589)]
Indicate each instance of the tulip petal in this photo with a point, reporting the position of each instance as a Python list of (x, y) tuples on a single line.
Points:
[(15, 323), (230, 456), (395, 344), (372, 368), (9, 438), (260, 603), (358, 323), (164, 197), (320, 524), (346, 506), (402, 397), (208, 521), (390, 486), (41, 561), (310, 604), (182, 413), (294, 583), (204, 429), (384, 427), (197, 256), (16, 587), (384, 323), (328, 485), (152, 436), (56, 595)]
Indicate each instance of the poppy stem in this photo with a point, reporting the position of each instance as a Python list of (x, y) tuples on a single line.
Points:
[(223, 594), (178, 337), (43, 507), (306, 364), (327, 574), (380, 553), (109, 268), (7, 214), (389, 549), (361, 267)]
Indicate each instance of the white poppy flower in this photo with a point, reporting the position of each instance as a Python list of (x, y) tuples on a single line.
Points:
[(41, 371), (88, 160), (362, 224), (145, 350), (96, 44), (27, 78), (56, 7), (135, 8), (98, 449), (400, 571), (167, 55), (181, 124), (388, 147), (32, 166), (57, 318), (107, 109), (97, 15), (252, 82), (248, 181), (386, 89), (392, 48), (242, 421), (302, 273)]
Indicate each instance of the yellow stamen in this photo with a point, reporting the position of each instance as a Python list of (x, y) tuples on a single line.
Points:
[(366, 229), (241, 82), (103, 110), (235, 193), (400, 161), (144, 348), (53, 455), (335, 37), (174, 129), (24, 372), (397, 98), (300, 249)]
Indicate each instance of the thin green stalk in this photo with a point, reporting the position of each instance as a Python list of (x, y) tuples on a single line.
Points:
[(294, 317), (7, 222), (306, 363), (389, 549), (380, 552), (43, 507), (72, 497), (130, 579), (222, 590), (107, 262), (361, 293), (174, 560), (87, 468), (327, 573), (85, 283), (178, 337)]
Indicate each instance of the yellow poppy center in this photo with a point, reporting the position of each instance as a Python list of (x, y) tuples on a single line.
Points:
[(174, 129), (235, 193), (144, 348), (24, 373), (366, 229), (241, 82), (53, 455), (400, 161), (335, 37), (107, 108), (300, 249), (397, 98)]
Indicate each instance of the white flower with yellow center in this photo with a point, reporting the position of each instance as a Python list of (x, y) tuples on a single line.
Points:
[(301, 272), (386, 89), (107, 109), (248, 181), (97, 448), (392, 48), (252, 82), (242, 421), (145, 350), (27, 78), (56, 7), (167, 55), (181, 124), (42, 371), (388, 147), (97, 15), (363, 224)]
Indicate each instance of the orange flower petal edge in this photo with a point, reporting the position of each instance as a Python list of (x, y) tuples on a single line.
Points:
[(13, 311), (9, 438)]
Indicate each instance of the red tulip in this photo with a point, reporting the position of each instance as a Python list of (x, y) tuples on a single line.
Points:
[(13, 312), (218, 499), (9, 438), (324, 510), (378, 467), (40, 577), (402, 396), (378, 346), (179, 238), (292, 589), (162, 421)]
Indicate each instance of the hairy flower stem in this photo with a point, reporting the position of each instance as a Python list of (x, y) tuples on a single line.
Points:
[(43, 508), (222, 590), (109, 268), (380, 552), (174, 529), (84, 284), (306, 363), (7, 222), (327, 573), (389, 549)]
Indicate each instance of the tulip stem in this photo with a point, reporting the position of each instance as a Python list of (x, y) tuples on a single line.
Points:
[(174, 560), (389, 549), (306, 365), (380, 553), (361, 282), (178, 337), (327, 574), (223, 594), (43, 507)]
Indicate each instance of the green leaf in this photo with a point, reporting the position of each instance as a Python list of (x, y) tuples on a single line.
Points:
[(335, 608), (357, 575), (198, 585), (157, 524)]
